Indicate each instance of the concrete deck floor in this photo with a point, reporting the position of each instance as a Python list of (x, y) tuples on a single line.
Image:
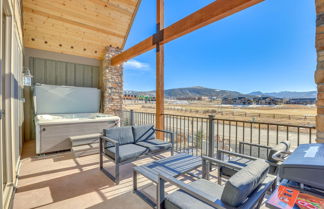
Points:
[(66, 182)]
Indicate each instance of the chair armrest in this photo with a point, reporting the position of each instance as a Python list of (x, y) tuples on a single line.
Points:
[(164, 131), (245, 156), (171, 138), (221, 163), (202, 196), (167, 132), (113, 141), (237, 154), (254, 145), (278, 155)]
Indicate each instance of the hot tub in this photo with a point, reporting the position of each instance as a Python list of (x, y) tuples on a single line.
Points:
[(53, 131), (55, 121), (47, 119)]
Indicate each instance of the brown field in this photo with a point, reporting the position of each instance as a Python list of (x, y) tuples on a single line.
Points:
[(284, 114)]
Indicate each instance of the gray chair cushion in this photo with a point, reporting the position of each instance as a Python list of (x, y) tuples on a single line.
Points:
[(236, 161), (252, 202), (126, 152), (124, 135), (155, 145), (143, 133), (282, 146), (182, 200), (238, 188)]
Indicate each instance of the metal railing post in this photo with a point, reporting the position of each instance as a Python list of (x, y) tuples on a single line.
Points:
[(211, 133), (131, 117)]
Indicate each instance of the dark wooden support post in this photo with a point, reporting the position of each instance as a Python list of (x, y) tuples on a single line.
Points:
[(159, 68)]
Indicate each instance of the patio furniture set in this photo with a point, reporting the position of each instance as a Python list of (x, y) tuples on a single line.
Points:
[(248, 181)]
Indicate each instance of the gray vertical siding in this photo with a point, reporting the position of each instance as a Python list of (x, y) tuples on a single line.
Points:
[(53, 72)]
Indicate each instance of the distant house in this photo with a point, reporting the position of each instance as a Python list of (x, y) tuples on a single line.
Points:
[(227, 100), (130, 97), (139, 97), (204, 98), (267, 101), (188, 98), (250, 101), (237, 101), (301, 101)]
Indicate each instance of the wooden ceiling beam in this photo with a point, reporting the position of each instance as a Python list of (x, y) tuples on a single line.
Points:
[(67, 11), (64, 20), (215, 11), (111, 5), (123, 3), (52, 44), (35, 24), (70, 34), (64, 38)]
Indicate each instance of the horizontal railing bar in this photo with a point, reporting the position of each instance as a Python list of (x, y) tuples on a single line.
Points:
[(186, 116), (242, 121)]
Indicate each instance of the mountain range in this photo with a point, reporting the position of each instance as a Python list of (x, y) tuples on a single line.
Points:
[(197, 91)]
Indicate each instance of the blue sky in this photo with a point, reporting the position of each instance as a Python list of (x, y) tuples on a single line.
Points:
[(268, 47)]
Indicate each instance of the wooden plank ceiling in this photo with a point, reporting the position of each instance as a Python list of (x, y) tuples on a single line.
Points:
[(77, 27)]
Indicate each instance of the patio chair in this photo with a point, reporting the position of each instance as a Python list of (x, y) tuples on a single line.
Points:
[(275, 156), (129, 143), (244, 190)]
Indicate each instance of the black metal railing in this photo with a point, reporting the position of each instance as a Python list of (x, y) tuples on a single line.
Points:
[(130, 117), (204, 135)]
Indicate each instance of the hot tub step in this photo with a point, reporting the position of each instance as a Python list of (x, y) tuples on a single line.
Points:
[(84, 139), (84, 150)]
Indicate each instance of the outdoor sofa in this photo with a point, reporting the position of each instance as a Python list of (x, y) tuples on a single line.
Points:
[(244, 190), (129, 143)]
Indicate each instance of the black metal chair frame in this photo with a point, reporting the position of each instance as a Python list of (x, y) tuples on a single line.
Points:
[(206, 162), (116, 160), (278, 155)]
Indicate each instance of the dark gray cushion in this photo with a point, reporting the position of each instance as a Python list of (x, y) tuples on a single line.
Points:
[(155, 145), (236, 161), (182, 200), (244, 182), (124, 135), (143, 133), (126, 152), (252, 202), (282, 146)]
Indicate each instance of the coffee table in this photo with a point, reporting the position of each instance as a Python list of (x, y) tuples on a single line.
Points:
[(173, 166)]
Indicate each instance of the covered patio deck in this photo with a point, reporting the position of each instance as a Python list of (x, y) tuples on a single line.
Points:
[(64, 181)]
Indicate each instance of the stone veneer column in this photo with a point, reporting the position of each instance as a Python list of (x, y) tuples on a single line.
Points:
[(112, 84), (319, 74)]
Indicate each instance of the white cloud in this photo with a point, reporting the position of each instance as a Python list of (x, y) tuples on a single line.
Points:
[(134, 64)]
